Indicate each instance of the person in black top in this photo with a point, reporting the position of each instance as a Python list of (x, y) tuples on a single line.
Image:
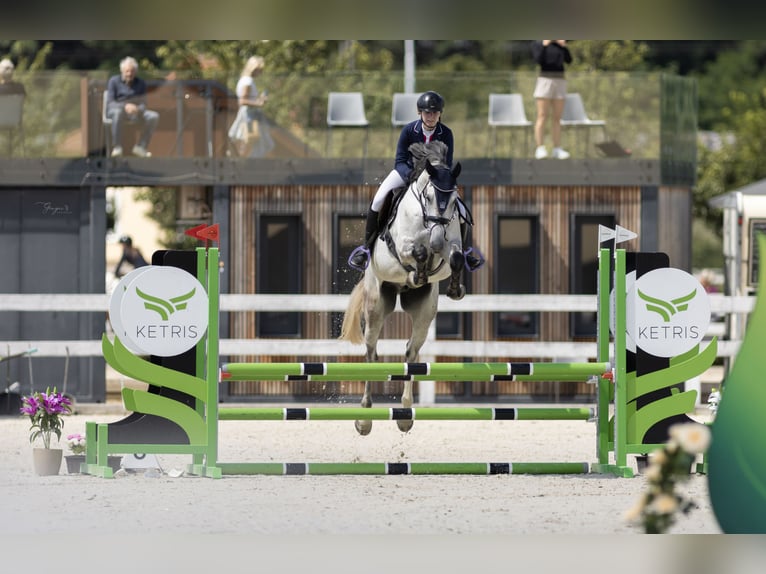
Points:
[(426, 129), (550, 93), (130, 255)]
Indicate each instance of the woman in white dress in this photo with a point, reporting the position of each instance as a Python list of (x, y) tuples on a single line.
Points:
[(250, 113)]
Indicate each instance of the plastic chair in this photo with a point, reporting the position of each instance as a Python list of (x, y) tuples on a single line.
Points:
[(404, 108), (507, 110), (11, 112), (575, 115), (107, 122), (346, 109)]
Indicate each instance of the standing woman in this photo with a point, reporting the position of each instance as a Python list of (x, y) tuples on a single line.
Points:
[(250, 110), (550, 93)]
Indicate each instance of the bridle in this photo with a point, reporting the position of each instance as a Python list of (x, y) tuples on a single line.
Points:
[(430, 222)]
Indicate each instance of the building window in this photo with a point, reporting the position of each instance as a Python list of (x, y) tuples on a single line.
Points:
[(516, 271), (583, 266), (279, 261)]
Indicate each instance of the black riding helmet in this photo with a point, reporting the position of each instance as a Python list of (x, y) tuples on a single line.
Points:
[(430, 101)]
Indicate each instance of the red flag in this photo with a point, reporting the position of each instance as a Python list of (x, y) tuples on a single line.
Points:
[(194, 230), (211, 233)]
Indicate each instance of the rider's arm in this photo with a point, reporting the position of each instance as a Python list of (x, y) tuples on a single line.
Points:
[(403, 160)]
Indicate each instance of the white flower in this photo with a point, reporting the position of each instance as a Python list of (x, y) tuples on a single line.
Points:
[(663, 504), (694, 438), (76, 443), (713, 400)]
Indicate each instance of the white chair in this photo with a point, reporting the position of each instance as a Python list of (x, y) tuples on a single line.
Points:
[(11, 112), (404, 109), (574, 115), (346, 109), (507, 110), (107, 122)]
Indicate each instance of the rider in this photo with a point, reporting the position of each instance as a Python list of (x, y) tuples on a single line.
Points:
[(427, 128)]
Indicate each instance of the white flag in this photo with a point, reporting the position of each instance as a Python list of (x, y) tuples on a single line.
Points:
[(605, 234), (624, 234)]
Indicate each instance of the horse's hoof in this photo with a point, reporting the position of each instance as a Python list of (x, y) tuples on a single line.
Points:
[(363, 427), (404, 426), (456, 294)]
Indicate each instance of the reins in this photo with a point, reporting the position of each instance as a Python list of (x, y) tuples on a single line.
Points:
[(436, 220)]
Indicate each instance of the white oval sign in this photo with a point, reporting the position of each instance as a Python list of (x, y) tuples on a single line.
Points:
[(668, 312), (163, 311), (114, 309)]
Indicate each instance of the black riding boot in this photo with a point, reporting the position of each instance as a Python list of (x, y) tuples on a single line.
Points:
[(360, 257), (473, 258)]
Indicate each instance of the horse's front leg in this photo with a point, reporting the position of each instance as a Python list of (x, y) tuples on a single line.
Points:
[(455, 289), (420, 254)]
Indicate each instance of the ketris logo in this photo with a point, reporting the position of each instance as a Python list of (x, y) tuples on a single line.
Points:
[(667, 312), (160, 311), (162, 307), (666, 309)]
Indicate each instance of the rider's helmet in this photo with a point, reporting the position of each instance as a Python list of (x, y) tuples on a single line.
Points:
[(430, 101)]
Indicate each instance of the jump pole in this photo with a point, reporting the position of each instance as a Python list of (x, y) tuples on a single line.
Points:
[(600, 371)]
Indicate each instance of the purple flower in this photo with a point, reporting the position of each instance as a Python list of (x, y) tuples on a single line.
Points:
[(45, 410)]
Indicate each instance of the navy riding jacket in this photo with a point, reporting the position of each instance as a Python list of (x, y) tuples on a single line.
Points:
[(413, 133)]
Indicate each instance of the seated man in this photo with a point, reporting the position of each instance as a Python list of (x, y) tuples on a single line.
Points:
[(126, 101), (7, 84)]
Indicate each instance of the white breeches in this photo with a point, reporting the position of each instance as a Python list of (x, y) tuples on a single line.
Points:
[(392, 181)]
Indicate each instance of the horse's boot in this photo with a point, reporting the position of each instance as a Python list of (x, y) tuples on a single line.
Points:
[(360, 257), (473, 257)]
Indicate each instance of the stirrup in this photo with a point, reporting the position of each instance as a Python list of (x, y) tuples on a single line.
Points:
[(362, 249), (476, 255)]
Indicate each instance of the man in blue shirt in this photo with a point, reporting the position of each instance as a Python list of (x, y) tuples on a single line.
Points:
[(426, 129), (126, 101)]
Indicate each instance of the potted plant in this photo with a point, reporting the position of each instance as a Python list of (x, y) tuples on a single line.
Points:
[(76, 444), (46, 411)]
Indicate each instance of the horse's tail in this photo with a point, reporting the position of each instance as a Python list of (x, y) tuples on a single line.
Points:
[(351, 330)]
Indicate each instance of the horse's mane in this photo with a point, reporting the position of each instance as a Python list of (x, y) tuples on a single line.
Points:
[(435, 152)]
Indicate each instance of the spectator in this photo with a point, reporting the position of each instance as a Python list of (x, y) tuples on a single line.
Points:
[(130, 255), (126, 101), (7, 84), (251, 125), (550, 93)]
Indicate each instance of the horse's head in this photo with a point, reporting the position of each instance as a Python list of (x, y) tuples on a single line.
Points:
[(442, 185)]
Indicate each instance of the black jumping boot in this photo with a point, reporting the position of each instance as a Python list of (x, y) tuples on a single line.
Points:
[(360, 257), (473, 257)]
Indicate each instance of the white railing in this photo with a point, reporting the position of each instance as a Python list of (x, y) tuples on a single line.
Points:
[(720, 305)]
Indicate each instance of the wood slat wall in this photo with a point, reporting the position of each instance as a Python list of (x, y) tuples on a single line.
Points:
[(318, 205)]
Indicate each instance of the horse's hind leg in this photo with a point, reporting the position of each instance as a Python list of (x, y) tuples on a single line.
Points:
[(364, 427), (374, 317), (455, 289)]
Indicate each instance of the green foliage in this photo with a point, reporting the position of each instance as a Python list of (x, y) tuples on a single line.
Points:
[(604, 55), (164, 202)]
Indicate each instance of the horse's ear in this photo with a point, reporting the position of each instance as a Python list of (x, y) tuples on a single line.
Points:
[(456, 170), (430, 169)]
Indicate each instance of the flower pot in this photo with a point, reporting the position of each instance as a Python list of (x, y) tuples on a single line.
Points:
[(47, 461), (73, 462)]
